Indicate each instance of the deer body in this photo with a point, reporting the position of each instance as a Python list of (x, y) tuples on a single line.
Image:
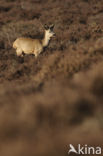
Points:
[(28, 46), (33, 46)]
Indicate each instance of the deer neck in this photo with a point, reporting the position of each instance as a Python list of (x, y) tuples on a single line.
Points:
[(46, 39)]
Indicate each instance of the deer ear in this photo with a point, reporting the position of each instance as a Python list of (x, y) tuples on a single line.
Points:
[(51, 26), (46, 27)]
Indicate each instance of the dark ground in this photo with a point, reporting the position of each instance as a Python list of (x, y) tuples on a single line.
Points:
[(57, 99)]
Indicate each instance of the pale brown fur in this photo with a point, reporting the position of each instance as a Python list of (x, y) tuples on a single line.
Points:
[(33, 46)]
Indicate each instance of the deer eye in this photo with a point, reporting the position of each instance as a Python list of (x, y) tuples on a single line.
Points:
[(50, 31)]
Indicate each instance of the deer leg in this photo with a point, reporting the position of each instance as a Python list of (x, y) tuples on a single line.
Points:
[(19, 52), (37, 52), (36, 55)]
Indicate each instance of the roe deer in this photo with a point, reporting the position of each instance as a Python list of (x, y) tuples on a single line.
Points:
[(33, 46)]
